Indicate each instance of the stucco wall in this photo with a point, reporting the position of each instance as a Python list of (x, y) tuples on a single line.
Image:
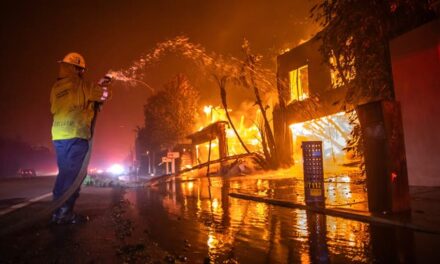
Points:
[(416, 71)]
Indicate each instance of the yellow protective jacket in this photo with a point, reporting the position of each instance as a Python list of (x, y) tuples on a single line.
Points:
[(71, 100)]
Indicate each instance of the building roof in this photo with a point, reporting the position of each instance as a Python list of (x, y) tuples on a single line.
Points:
[(208, 133)]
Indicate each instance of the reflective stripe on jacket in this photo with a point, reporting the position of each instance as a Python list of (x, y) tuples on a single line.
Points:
[(71, 100)]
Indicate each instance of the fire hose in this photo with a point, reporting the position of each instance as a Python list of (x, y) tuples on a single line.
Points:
[(47, 210)]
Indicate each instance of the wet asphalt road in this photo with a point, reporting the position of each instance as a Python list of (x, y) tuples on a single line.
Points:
[(108, 237), (199, 212), (193, 219), (18, 190)]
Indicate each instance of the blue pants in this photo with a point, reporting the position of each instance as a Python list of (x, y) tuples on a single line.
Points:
[(70, 156)]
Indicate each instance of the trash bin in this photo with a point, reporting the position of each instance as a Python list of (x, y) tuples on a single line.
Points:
[(313, 173)]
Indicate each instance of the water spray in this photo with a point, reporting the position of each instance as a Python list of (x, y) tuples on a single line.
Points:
[(208, 62), (120, 76)]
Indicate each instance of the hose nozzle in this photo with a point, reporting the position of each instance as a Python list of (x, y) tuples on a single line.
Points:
[(106, 80)]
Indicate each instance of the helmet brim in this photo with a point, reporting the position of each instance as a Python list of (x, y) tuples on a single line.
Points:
[(77, 65)]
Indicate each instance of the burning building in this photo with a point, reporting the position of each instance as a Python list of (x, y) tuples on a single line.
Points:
[(216, 140), (310, 106), (310, 97)]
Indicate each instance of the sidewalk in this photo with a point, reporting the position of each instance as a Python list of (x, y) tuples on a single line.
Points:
[(423, 217), (425, 206)]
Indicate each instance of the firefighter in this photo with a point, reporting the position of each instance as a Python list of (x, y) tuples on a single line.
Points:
[(72, 102)]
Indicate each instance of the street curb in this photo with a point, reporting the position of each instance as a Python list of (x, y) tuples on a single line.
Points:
[(367, 217)]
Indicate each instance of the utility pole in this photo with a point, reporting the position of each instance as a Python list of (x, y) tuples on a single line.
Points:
[(149, 163)]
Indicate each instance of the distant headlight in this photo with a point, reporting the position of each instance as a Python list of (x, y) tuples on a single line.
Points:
[(116, 169)]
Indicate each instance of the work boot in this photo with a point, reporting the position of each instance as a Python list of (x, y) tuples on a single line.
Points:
[(65, 215), (61, 213), (71, 218), (74, 218)]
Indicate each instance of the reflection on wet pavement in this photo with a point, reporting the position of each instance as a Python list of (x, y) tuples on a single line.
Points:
[(196, 217)]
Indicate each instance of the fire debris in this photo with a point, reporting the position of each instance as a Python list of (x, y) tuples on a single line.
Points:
[(109, 182)]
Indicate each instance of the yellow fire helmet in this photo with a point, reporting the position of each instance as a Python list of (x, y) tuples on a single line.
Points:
[(74, 59)]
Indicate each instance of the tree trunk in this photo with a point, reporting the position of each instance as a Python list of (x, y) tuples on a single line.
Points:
[(268, 130), (222, 85)]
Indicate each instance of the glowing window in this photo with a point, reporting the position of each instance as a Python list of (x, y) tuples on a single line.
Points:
[(299, 83)]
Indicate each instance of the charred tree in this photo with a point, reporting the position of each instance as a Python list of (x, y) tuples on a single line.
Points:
[(222, 85), (249, 79)]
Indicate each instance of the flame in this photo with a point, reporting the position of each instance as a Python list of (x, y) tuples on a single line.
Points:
[(207, 109), (246, 125), (335, 75), (230, 133), (332, 130)]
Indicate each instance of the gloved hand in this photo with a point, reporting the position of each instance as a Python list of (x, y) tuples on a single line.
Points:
[(106, 91)]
